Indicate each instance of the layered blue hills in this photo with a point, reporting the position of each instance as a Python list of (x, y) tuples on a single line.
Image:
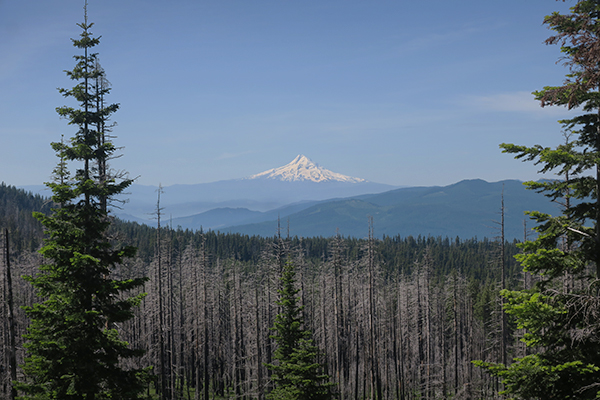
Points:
[(467, 209), (314, 201)]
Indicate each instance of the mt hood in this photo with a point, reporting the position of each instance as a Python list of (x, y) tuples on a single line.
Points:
[(303, 169), (301, 181)]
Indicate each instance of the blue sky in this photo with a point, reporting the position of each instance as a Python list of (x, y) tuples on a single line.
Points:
[(398, 92)]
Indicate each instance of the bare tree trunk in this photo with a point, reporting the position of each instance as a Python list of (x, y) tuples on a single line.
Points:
[(205, 314), (259, 364), (340, 334), (398, 343), (597, 238), (12, 348), (182, 335), (503, 322), (323, 320), (357, 364), (170, 325), (374, 377), (456, 333), (161, 325)]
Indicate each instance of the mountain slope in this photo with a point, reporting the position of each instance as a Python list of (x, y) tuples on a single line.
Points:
[(223, 217), (300, 180), (466, 209), (218, 218), (303, 169)]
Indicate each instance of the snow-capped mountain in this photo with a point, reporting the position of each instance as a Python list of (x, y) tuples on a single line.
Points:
[(299, 182), (303, 169)]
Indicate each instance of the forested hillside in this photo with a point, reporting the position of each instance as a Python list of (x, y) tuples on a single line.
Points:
[(402, 317), (465, 209), (16, 207)]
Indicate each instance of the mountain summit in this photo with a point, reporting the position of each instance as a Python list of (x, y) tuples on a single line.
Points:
[(300, 181), (303, 169)]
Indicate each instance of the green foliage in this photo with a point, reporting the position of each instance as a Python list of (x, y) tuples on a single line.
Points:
[(73, 348), (560, 315), (568, 380), (16, 207), (297, 375)]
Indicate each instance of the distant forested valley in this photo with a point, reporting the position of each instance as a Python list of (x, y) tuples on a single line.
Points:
[(398, 317)]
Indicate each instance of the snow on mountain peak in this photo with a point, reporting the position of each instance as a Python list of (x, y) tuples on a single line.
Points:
[(303, 169)]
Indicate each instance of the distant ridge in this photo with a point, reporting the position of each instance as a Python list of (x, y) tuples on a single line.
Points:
[(299, 182), (304, 169), (466, 209)]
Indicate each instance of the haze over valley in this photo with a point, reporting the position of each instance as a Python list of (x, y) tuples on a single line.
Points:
[(315, 201)]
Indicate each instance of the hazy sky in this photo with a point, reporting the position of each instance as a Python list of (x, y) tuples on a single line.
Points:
[(398, 92)]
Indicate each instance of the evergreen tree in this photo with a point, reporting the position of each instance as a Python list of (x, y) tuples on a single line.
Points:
[(297, 375), (73, 349), (561, 313)]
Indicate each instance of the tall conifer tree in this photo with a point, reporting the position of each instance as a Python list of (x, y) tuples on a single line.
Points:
[(297, 373), (561, 314), (73, 348)]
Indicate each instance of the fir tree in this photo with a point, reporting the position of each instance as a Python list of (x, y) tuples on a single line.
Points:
[(73, 348), (297, 375), (561, 313)]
